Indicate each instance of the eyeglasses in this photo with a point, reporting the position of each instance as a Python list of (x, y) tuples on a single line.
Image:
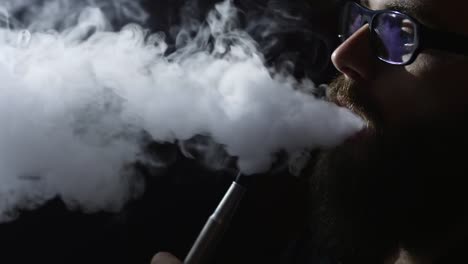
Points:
[(397, 38)]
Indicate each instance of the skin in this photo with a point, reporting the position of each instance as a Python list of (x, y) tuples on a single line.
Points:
[(432, 90), (427, 88)]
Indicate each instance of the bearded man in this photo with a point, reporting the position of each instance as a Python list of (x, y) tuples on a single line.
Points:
[(396, 191)]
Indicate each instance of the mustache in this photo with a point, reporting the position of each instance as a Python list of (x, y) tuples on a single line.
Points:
[(350, 94)]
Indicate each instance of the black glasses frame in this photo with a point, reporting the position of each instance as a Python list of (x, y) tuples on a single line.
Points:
[(426, 38)]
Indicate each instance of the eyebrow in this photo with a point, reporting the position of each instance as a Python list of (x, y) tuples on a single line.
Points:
[(423, 13), (398, 5), (403, 7), (364, 3), (415, 11)]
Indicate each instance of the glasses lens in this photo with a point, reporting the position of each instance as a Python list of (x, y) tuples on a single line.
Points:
[(395, 37), (353, 19)]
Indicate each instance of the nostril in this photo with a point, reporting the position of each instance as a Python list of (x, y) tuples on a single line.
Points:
[(351, 73)]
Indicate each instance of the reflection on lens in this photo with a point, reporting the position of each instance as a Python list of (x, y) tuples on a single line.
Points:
[(355, 20), (394, 37)]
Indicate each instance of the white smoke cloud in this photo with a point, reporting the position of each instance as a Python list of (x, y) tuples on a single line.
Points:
[(62, 14), (73, 103)]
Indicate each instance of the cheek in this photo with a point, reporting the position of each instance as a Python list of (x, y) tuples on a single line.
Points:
[(445, 83), (399, 97), (425, 90)]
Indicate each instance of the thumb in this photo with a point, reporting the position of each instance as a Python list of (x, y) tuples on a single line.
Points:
[(165, 258)]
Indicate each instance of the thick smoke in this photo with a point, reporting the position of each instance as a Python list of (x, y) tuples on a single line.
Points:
[(43, 15), (75, 101)]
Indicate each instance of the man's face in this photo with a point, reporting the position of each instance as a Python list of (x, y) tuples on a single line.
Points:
[(397, 181), (431, 86)]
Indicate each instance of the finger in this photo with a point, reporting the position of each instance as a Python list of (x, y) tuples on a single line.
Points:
[(165, 258)]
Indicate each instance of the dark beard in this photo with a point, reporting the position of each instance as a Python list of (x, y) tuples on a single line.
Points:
[(396, 187)]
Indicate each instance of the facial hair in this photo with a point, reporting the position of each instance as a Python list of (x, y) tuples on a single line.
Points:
[(394, 187)]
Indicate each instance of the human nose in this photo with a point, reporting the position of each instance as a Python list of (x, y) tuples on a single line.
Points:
[(354, 56)]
